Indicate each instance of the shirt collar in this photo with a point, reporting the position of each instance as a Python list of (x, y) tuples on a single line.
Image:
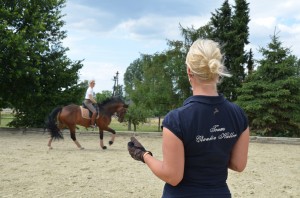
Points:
[(212, 100)]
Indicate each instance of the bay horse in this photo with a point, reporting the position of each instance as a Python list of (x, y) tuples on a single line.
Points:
[(70, 116)]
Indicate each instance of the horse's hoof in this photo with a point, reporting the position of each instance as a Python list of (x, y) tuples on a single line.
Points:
[(104, 147), (50, 147), (81, 148), (110, 142)]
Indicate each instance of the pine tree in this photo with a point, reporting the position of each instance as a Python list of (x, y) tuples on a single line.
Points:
[(230, 29), (240, 29), (271, 94), (250, 62), (220, 26)]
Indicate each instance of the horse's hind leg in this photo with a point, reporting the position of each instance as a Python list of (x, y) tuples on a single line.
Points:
[(49, 143), (73, 137)]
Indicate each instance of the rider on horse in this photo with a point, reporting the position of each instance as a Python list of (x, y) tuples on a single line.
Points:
[(89, 101)]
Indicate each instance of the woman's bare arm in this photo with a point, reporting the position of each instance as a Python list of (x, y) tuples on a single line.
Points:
[(171, 168), (239, 154), (92, 98)]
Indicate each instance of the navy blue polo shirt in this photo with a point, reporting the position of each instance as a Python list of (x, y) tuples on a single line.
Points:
[(208, 126)]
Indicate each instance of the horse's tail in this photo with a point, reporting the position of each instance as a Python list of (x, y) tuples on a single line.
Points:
[(51, 124)]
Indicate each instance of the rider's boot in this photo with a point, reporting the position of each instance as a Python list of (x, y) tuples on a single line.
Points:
[(93, 120)]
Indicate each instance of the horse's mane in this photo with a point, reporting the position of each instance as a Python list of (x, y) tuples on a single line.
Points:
[(114, 99)]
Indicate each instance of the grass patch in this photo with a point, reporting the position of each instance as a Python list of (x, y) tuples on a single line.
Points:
[(5, 118)]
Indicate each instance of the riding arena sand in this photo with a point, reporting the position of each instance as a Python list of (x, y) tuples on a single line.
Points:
[(29, 169)]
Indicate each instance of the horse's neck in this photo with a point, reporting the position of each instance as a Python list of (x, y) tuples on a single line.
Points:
[(110, 110)]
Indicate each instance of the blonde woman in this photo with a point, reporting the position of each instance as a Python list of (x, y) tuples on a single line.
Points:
[(204, 137)]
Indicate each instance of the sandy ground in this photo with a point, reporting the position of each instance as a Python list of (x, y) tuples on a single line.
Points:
[(29, 169)]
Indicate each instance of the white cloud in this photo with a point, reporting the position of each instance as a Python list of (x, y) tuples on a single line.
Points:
[(266, 22), (156, 27), (292, 29), (280, 17)]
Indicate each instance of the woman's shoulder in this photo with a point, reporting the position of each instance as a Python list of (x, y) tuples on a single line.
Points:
[(234, 106), (177, 112)]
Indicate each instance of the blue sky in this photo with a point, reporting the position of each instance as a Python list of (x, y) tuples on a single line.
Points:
[(109, 35)]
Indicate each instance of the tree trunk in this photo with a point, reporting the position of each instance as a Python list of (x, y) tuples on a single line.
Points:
[(129, 125), (158, 129)]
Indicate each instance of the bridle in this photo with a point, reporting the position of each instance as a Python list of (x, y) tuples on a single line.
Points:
[(120, 114)]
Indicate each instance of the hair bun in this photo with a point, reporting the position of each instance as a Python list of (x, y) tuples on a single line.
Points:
[(205, 60), (214, 65)]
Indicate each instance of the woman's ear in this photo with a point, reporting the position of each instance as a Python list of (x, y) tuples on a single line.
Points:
[(190, 74)]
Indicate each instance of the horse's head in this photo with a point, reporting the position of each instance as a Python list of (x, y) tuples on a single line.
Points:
[(121, 112), (115, 105)]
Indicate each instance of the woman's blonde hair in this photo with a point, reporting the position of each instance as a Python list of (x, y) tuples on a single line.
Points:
[(205, 60), (91, 81)]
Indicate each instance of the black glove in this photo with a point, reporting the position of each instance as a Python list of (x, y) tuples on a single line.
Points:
[(136, 149)]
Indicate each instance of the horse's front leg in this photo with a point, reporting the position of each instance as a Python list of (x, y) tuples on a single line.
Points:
[(112, 136), (101, 139)]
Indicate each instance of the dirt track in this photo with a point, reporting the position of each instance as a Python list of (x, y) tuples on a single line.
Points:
[(29, 169)]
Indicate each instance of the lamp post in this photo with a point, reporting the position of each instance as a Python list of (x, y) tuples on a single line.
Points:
[(116, 84)]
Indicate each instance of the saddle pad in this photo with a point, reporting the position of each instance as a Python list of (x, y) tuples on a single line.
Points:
[(85, 113)]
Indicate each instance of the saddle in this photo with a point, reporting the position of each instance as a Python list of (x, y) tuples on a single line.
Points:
[(86, 113)]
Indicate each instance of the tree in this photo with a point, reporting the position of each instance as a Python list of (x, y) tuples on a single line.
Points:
[(250, 62), (100, 97), (35, 74), (133, 79), (271, 94), (175, 62), (148, 84), (158, 83), (220, 24), (231, 30), (191, 34), (136, 115), (176, 68)]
